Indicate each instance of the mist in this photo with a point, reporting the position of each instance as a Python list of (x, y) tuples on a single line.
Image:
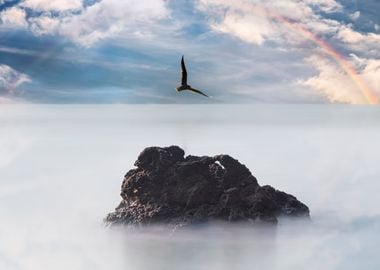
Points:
[(61, 168)]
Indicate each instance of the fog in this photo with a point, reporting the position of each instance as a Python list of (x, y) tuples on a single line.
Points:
[(61, 167)]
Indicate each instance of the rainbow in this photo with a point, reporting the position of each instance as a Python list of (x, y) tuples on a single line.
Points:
[(366, 91)]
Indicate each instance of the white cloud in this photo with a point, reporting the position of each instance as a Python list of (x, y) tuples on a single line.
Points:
[(371, 73), (13, 17), (44, 25), (258, 21), (291, 24), (236, 25), (366, 44), (13, 50), (88, 25), (337, 86), (324, 5), (52, 5), (10, 79), (354, 16), (348, 35), (111, 17)]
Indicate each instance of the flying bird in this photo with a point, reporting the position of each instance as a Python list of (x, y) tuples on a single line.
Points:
[(184, 85)]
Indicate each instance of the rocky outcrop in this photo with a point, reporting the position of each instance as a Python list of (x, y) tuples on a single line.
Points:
[(169, 188)]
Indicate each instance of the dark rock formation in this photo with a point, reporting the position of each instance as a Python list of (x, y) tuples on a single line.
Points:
[(169, 188)]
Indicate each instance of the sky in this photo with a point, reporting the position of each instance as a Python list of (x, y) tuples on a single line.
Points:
[(241, 51)]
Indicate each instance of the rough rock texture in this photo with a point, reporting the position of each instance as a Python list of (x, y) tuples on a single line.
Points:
[(169, 188)]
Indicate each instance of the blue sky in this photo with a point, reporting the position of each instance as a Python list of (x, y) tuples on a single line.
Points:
[(109, 51)]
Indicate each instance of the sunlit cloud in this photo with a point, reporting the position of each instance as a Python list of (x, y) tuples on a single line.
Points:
[(52, 5), (109, 18), (292, 25), (14, 17), (86, 25), (44, 25), (366, 44), (336, 85)]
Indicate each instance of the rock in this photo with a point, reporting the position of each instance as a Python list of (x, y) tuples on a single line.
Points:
[(169, 188)]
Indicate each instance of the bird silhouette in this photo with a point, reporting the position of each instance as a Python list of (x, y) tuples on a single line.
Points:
[(184, 85)]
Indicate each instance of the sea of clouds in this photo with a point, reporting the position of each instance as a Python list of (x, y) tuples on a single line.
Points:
[(61, 168)]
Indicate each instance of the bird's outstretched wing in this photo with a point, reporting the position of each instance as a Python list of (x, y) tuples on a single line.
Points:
[(198, 91), (184, 73)]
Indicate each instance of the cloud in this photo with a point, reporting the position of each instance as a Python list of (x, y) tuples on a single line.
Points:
[(354, 16), (87, 24), (324, 5), (235, 24), (111, 17), (363, 43), (10, 79), (338, 86), (13, 17), (260, 21), (298, 26), (44, 25), (52, 5), (5, 49)]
